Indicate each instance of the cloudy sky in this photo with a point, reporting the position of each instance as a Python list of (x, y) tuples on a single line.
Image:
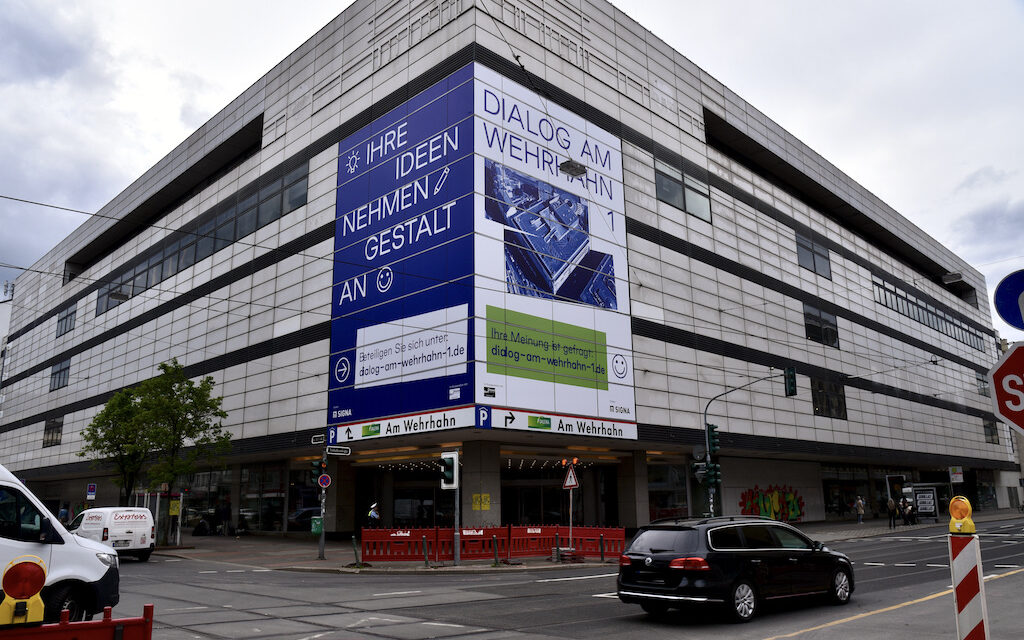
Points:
[(920, 102)]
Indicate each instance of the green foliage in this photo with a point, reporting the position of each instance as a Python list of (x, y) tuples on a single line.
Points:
[(116, 434)]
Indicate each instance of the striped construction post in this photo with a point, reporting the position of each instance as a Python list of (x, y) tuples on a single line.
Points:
[(968, 587)]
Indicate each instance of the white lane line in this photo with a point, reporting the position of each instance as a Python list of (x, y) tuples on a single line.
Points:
[(207, 572), (185, 609), (873, 564), (1007, 566), (173, 560), (606, 595), (396, 593), (442, 624), (938, 566), (603, 575), (905, 564), (1007, 526), (235, 571), (262, 570)]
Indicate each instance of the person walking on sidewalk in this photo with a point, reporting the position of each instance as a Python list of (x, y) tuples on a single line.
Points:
[(859, 508), (891, 506)]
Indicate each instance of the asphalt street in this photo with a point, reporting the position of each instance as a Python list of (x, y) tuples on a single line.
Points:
[(903, 590)]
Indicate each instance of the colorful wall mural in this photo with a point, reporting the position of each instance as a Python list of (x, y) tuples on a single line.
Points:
[(776, 501)]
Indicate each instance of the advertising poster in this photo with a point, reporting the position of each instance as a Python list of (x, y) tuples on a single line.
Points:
[(471, 272), (552, 297)]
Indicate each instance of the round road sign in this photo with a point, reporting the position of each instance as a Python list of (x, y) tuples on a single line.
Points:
[(1007, 384), (1009, 299), (324, 480)]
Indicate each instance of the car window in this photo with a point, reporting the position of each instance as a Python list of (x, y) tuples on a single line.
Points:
[(77, 522), (660, 540), (19, 518), (790, 539), (726, 538), (758, 536)]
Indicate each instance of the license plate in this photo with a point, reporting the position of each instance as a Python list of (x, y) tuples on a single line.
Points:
[(121, 543)]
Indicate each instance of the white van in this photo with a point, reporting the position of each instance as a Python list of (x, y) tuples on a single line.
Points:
[(128, 529), (81, 575)]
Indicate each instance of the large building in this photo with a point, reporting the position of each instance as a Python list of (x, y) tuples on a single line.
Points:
[(525, 233)]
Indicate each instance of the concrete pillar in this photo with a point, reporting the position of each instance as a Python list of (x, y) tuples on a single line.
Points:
[(589, 495), (481, 476), (341, 496), (633, 497), (386, 501)]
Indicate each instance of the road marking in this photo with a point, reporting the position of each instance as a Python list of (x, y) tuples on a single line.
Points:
[(905, 564), (442, 624), (207, 572), (185, 609), (603, 575), (1007, 526), (235, 571), (873, 564), (396, 593), (606, 595), (172, 560), (938, 566), (261, 570), (371, 618), (894, 607), (1007, 566)]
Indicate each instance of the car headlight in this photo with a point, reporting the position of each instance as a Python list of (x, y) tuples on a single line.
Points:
[(109, 559)]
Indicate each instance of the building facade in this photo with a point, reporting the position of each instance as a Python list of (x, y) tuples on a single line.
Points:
[(526, 235)]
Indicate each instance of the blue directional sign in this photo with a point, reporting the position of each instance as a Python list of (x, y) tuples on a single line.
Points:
[(402, 296), (1009, 299)]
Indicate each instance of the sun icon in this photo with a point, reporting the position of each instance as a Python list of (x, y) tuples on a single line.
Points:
[(353, 163)]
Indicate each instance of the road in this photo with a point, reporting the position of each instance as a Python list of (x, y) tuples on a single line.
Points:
[(902, 592)]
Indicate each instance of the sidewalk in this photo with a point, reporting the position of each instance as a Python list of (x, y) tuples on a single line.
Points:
[(301, 553)]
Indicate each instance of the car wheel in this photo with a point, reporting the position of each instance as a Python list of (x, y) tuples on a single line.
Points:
[(144, 556), (65, 597), (654, 608), (743, 601), (839, 590)]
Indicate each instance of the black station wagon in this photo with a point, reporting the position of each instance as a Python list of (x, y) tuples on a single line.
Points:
[(736, 561)]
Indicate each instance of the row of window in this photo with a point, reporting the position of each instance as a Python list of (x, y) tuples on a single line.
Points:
[(204, 236), (682, 191), (907, 305)]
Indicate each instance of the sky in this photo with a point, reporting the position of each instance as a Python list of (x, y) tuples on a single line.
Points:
[(922, 103)]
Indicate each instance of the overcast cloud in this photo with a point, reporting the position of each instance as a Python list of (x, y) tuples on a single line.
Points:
[(920, 102)]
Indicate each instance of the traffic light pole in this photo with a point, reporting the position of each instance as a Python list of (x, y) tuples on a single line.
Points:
[(323, 510), (707, 433)]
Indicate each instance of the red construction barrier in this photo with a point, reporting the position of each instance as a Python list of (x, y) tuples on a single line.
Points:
[(105, 629), (479, 543)]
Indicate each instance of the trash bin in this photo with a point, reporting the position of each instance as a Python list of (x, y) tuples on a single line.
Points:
[(316, 525)]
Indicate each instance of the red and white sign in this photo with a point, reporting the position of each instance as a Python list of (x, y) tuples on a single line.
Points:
[(570, 479), (968, 588), (1007, 383)]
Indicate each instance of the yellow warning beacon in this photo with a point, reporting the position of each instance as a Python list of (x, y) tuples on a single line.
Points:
[(960, 516)]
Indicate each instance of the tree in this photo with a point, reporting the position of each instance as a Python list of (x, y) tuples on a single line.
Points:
[(182, 422), (115, 433)]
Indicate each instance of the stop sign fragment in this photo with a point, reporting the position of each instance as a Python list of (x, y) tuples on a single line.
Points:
[(1007, 384)]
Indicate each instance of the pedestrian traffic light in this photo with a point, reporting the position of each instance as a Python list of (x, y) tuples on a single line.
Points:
[(450, 470), (789, 375), (699, 468), (714, 442)]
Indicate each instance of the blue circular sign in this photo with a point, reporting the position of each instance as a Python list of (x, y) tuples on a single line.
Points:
[(324, 480), (1009, 299)]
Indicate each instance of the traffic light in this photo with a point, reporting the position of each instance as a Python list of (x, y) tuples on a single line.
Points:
[(449, 469), (699, 469), (317, 469), (789, 375), (713, 473), (714, 442)]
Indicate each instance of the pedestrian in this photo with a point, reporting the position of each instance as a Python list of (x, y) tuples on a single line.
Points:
[(859, 507), (905, 510), (373, 517), (891, 506), (62, 515)]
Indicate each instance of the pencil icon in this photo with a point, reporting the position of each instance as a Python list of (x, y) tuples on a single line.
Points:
[(440, 180)]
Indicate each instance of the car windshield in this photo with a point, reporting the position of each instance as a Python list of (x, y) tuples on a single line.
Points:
[(662, 540)]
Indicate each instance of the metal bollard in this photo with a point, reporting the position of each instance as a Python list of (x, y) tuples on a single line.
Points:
[(494, 545), (558, 549), (602, 547), (426, 553), (355, 552)]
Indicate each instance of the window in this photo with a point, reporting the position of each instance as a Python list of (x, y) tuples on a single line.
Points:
[(59, 375), (909, 306), (991, 431), (52, 431), (982, 380), (19, 518), (821, 326), (829, 399), (66, 320), (758, 536), (212, 231), (790, 539), (813, 256), (726, 538), (682, 191)]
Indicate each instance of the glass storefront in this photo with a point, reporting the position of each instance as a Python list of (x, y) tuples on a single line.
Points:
[(666, 491), (261, 507)]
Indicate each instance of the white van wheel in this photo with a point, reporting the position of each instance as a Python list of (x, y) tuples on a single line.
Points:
[(65, 597)]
